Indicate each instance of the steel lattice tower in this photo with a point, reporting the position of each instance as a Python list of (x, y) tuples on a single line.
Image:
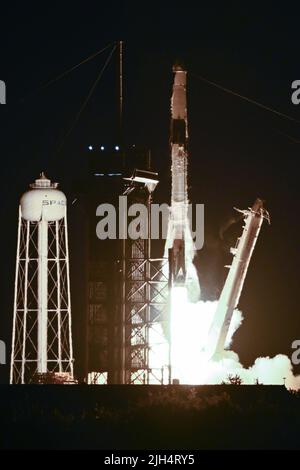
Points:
[(42, 336), (145, 352)]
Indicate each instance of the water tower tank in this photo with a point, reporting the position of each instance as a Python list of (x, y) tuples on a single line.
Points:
[(43, 199)]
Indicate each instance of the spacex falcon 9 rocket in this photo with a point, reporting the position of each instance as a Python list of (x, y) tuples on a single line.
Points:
[(179, 246)]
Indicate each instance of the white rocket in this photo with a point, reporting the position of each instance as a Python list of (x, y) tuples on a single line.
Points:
[(179, 246), (232, 289)]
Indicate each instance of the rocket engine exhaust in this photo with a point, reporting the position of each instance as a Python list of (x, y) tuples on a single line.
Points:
[(200, 331)]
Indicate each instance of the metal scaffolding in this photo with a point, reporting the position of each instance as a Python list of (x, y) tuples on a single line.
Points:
[(145, 351)]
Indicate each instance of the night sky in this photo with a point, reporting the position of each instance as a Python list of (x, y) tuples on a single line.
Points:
[(237, 151)]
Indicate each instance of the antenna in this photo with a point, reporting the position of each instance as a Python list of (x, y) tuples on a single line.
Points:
[(121, 92)]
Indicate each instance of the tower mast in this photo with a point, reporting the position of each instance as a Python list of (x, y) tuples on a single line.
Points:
[(121, 92)]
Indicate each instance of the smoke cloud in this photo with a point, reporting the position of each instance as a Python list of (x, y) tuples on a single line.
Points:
[(196, 368)]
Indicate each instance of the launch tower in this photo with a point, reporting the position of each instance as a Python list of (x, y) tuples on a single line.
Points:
[(229, 299), (145, 349)]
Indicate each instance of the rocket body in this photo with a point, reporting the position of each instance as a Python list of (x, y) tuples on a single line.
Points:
[(180, 246), (232, 289)]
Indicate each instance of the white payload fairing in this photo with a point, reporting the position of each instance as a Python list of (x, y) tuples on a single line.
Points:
[(180, 247), (232, 289)]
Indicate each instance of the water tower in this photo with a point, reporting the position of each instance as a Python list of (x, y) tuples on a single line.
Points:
[(42, 335)]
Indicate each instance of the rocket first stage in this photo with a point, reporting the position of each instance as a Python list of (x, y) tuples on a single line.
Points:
[(232, 289), (180, 247)]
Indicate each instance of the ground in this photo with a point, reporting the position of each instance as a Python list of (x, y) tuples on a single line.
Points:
[(149, 417)]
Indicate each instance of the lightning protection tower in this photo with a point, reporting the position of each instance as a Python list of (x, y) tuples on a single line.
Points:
[(42, 337)]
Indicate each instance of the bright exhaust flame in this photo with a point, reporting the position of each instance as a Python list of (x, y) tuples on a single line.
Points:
[(189, 329), (190, 324)]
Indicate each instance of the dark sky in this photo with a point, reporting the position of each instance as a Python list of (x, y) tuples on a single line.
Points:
[(237, 150)]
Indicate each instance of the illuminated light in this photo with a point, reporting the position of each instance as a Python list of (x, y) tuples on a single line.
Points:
[(117, 148), (190, 324), (98, 174), (189, 327), (97, 378), (90, 147), (185, 337), (102, 147)]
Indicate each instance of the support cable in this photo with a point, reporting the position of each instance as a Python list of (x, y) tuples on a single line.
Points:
[(231, 92), (77, 117), (66, 72)]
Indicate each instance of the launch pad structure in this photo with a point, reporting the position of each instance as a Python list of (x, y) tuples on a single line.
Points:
[(128, 324), (144, 298)]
